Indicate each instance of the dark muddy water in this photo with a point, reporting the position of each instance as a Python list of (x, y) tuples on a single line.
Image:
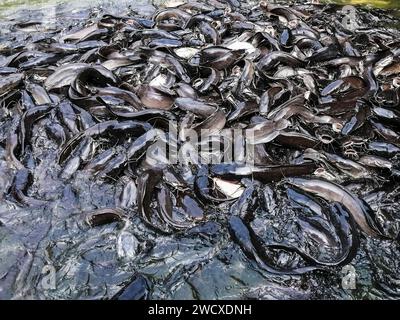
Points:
[(48, 250)]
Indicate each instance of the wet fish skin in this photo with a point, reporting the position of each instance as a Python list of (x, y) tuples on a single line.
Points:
[(154, 98), (56, 132), (104, 128), (198, 107), (137, 289), (274, 58), (23, 180), (103, 216), (38, 93), (10, 82), (333, 192), (263, 173), (128, 196), (28, 120), (146, 184), (242, 235)]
